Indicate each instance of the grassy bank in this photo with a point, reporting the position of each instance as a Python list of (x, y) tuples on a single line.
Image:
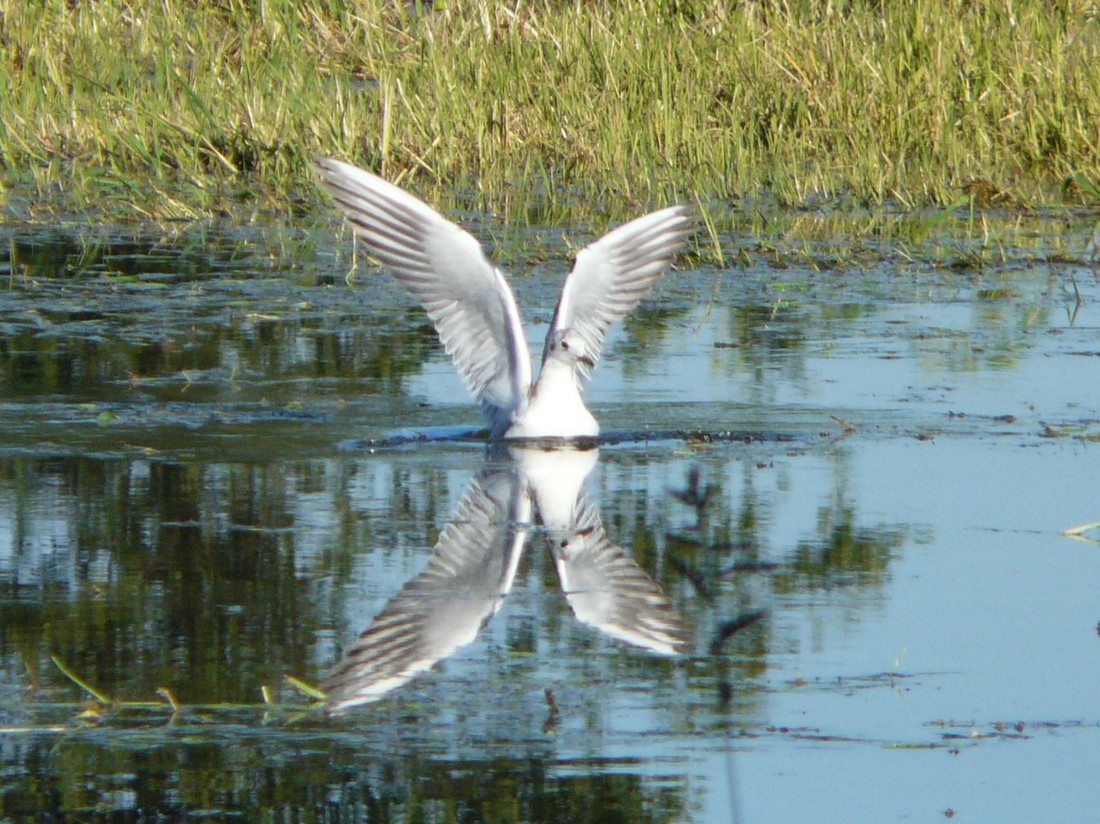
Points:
[(180, 109)]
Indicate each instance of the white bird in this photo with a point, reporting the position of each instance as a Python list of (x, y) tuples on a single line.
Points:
[(475, 313)]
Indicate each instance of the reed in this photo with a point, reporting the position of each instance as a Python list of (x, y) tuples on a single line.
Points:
[(536, 109)]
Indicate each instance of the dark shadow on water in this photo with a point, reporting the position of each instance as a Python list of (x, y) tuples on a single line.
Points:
[(444, 434)]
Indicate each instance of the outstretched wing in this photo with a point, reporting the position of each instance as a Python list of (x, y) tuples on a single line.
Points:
[(444, 268), (611, 275)]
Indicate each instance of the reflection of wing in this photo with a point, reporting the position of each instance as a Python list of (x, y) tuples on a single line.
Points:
[(445, 606), (608, 590), (603, 584)]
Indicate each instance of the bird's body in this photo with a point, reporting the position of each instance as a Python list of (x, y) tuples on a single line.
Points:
[(555, 408), (475, 312)]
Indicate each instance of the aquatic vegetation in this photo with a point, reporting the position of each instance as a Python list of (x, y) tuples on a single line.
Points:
[(539, 109)]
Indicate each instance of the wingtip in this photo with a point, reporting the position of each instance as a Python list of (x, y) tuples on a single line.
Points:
[(687, 213), (676, 224), (334, 172), (330, 171), (324, 165), (680, 218)]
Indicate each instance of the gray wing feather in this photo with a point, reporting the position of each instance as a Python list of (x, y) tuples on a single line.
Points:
[(611, 275), (446, 270)]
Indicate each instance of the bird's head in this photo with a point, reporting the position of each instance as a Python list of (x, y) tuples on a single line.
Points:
[(568, 345)]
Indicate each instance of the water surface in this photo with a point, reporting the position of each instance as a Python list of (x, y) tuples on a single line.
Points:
[(882, 618)]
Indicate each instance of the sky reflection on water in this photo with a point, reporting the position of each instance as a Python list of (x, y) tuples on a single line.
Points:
[(184, 513)]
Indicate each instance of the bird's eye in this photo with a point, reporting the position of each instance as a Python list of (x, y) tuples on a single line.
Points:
[(565, 345)]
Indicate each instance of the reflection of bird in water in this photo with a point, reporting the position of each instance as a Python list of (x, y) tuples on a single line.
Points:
[(474, 564), (475, 313), (604, 585), (443, 608)]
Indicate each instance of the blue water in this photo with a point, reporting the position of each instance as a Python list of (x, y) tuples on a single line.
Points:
[(929, 638)]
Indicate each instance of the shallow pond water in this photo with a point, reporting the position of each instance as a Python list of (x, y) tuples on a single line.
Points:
[(861, 606)]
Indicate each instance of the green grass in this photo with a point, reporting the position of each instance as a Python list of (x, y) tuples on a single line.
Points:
[(178, 109)]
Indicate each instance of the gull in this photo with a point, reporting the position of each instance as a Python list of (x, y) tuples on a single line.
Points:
[(475, 313)]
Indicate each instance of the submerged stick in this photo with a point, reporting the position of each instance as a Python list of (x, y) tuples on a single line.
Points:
[(170, 697), (306, 689), (98, 696)]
